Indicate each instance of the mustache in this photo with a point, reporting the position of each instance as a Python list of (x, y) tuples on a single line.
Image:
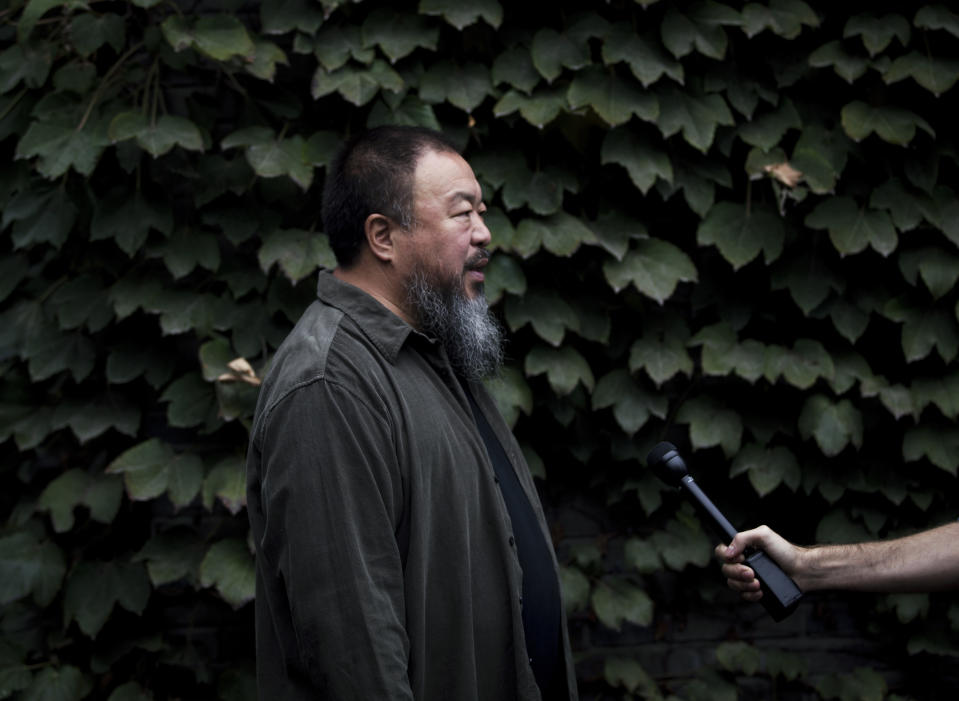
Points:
[(478, 259)]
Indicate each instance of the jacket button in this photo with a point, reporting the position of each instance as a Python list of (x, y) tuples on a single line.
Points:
[(512, 541)]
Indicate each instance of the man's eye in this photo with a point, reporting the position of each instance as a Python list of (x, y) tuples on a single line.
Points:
[(465, 213)]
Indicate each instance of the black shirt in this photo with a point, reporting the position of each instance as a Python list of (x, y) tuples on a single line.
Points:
[(542, 604)]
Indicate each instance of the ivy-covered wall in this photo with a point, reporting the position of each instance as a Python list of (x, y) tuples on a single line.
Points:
[(729, 225)]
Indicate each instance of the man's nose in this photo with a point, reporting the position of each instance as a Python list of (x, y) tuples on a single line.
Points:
[(481, 233)]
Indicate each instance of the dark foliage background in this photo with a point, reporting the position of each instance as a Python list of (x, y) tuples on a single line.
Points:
[(731, 225)]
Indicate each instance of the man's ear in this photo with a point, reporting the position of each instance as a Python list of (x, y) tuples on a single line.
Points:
[(380, 230)]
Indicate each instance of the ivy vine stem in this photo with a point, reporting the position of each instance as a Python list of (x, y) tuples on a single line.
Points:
[(98, 93)]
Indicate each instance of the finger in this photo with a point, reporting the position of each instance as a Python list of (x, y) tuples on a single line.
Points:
[(738, 572), (723, 554)]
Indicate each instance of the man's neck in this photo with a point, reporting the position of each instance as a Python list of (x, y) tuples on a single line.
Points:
[(378, 284)]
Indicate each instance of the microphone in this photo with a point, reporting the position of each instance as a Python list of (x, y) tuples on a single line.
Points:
[(780, 593)]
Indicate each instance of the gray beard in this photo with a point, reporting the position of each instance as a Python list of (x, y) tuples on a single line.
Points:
[(466, 328)]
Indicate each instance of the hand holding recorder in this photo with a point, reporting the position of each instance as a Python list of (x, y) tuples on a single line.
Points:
[(780, 593)]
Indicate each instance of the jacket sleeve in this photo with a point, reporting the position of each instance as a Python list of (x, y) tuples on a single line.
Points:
[(332, 501)]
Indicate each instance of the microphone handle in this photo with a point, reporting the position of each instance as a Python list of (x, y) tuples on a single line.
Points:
[(708, 508), (780, 593)]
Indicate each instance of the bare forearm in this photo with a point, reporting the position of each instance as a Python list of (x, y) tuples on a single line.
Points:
[(926, 561)]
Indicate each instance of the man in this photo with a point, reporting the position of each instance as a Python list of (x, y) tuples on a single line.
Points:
[(925, 561), (402, 552)]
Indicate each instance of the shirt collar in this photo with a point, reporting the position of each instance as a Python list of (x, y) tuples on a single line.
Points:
[(383, 328)]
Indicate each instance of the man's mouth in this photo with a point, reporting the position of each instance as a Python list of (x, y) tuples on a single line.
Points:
[(478, 262)]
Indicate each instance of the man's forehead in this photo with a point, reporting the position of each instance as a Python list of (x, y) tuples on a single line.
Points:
[(448, 176)]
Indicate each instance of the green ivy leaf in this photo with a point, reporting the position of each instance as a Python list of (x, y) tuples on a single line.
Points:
[(892, 124), (614, 230), (462, 15), (511, 393), (878, 32), (220, 37), (127, 218), (66, 683), (805, 363), (808, 280), (852, 228), (938, 269), (549, 315), (564, 368), (642, 556), (60, 146), (711, 424), (937, 75), (335, 45), (654, 267), (29, 64), (171, 556), (543, 192), (821, 156), (93, 588), (863, 683), (32, 12), (552, 51), (740, 234), (14, 674), (226, 482), (683, 542), (503, 274), (539, 109), (617, 600), (834, 425), (82, 301), (850, 321), (151, 468), (644, 161), (937, 17), (575, 589), (274, 158), (785, 18), (662, 354), (285, 16), (789, 665), (902, 205), (924, 329), (615, 100), (644, 56), (515, 68), (682, 34), (187, 249), (75, 487), (131, 691), (767, 468), (398, 34), (463, 86), (629, 674), (632, 405), (159, 137), (849, 67), (39, 216), (52, 352), (190, 398), (939, 445), (356, 85), (228, 566), (298, 252), (738, 656), (767, 130), (697, 116), (29, 566)]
